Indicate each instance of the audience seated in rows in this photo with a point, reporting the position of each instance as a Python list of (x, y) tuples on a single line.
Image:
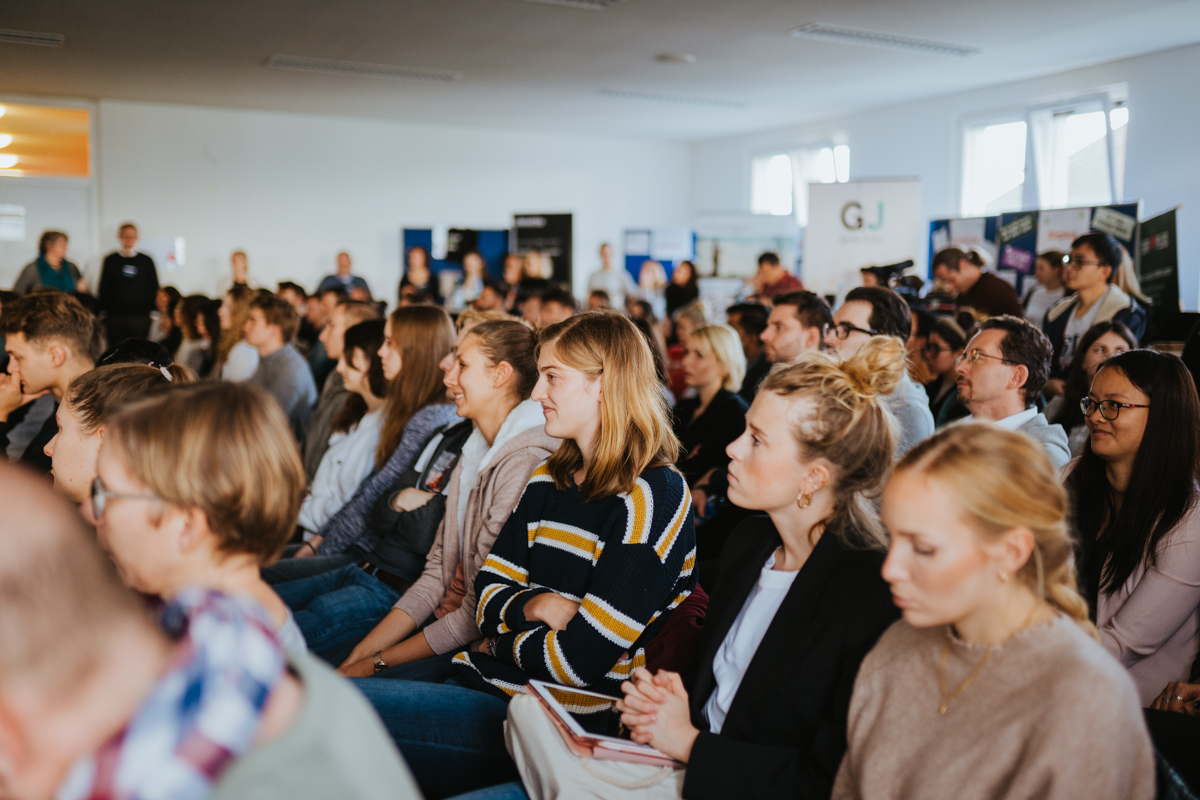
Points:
[(586, 570), (799, 601), (355, 616), (1102, 340), (942, 352), (50, 340), (1137, 516), (1000, 379), (875, 311), (101, 700), (282, 372), (993, 684)]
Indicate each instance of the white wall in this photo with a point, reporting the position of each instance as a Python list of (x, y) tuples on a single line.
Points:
[(293, 190), (922, 139)]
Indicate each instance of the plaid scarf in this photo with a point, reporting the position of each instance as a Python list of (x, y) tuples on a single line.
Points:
[(201, 715)]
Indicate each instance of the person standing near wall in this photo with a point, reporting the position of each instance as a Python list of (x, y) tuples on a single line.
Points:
[(51, 267), (612, 279), (343, 277), (128, 287)]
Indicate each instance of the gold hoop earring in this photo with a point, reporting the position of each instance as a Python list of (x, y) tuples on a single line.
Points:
[(802, 500), (1003, 576)]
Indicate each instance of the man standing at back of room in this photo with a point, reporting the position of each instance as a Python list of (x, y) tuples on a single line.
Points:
[(128, 288), (875, 311), (614, 280), (282, 371), (343, 278), (1000, 376), (772, 279), (333, 395), (50, 339)]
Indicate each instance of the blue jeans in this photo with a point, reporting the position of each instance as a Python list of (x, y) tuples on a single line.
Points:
[(335, 610), (505, 791), (452, 737), (293, 569)]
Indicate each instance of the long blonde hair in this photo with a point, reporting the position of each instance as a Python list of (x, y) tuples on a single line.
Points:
[(1002, 480), (635, 424), (423, 335), (849, 427)]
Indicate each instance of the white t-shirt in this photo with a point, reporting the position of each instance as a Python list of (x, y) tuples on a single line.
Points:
[(348, 460), (240, 363), (617, 282), (1039, 301), (745, 635), (1077, 327)]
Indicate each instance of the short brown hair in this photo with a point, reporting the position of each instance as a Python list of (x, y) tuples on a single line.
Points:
[(233, 457), (48, 239), (277, 311), (811, 308), (1026, 345), (98, 393), (54, 315)]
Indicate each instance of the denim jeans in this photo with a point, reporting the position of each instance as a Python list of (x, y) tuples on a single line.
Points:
[(335, 610), (505, 791), (452, 737), (293, 569)]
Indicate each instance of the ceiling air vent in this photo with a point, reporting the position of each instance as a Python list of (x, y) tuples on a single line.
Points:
[(672, 98), (331, 66), (835, 33), (587, 5), (32, 37)]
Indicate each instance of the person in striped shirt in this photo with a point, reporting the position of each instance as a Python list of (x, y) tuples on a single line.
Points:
[(599, 550)]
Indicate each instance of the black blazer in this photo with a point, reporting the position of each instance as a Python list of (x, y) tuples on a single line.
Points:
[(785, 734), (704, 441)]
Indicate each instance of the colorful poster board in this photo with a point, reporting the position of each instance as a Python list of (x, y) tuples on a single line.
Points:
[(549, 233)]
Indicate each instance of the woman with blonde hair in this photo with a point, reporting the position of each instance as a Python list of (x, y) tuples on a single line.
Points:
[(714, 364), (236, 359), (585, 572), (994, 683), (203, 504), (799, 600)]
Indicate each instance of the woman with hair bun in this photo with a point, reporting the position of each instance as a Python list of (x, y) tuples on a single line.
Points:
[(993, 684), (799, 601)]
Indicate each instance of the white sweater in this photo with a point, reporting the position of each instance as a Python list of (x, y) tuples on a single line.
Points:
[(349, 459)]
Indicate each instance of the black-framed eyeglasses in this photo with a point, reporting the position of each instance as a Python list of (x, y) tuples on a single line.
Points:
[(842, 330), (1109, 409), (100, 497), (973, 356)]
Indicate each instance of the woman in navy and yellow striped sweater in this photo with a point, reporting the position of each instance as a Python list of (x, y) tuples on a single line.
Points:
[(598, 552)]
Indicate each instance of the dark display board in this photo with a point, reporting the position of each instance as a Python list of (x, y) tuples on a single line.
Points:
[(1158, 273), (549, 233)]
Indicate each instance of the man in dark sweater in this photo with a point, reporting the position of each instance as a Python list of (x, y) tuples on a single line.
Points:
[(128, 286), (50, 339), (985, 292), (282, 371)]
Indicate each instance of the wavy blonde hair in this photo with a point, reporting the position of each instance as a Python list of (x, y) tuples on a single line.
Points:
[(635, 423), (239, 311), (848, 426), (723, 342), (1003, 480)]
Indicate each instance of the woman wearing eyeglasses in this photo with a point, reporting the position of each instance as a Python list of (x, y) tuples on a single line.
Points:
[(1088, 275), (1104, 339), (1135, 491), (945, 346)]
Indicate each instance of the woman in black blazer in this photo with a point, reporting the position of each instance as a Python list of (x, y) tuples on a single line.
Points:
[(799, 600), (714, 365)]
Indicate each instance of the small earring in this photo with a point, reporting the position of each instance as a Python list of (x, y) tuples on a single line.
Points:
[(803, 500), (1003, 576)]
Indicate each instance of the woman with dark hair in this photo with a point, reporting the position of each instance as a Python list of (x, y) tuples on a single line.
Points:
[(945, 346), (162, 319), (1134, 495), (682, 289), (208, 325), (1088, 275), (1104, 339), (418, 275), (193, 348)]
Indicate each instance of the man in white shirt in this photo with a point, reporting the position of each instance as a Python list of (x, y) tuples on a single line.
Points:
[(1000, 376), (617, 282)]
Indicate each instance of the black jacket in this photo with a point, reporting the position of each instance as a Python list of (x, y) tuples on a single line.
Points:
[(704, 441), (785, 733)]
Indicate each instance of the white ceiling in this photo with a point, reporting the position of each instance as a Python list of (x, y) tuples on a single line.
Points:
[(536, 66)]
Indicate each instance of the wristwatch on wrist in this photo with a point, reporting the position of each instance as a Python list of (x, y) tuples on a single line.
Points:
[(380, 664)]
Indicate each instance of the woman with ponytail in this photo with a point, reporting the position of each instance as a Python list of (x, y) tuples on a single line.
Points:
[(799, 601), (994, 683)]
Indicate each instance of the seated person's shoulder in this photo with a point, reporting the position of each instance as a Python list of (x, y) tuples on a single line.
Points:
[(334, 747)]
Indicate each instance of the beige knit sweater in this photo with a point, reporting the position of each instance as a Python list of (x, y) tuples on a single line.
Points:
[(1052, 715)]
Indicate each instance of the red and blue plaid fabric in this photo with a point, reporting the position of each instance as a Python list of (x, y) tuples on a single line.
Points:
[(201, 715)]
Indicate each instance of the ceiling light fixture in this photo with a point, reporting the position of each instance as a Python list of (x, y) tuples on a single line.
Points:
[(675, 58), (672, 98), (5, 140), (359, 69), (840, 35), (586, 5), (3, 111), (8, 162), (33, 38)]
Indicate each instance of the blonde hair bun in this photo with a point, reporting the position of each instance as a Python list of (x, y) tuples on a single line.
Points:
[(876, 369)]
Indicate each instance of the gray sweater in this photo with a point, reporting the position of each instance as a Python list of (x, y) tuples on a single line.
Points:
[(285, 374), (1052, 438), (909, 404)]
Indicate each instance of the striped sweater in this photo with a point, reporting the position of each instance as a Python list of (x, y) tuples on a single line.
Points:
[(627, 560)]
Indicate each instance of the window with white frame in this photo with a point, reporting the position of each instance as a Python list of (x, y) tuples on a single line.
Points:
[(1060, 155), (779, 182)]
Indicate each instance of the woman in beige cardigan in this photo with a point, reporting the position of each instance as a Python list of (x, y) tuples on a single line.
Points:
[(490, 381)]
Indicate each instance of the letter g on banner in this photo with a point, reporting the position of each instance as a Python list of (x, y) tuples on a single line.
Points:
[(852, 218)]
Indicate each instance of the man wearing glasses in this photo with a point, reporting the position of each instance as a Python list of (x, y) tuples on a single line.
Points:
[(1001, 374), (875, 311)]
